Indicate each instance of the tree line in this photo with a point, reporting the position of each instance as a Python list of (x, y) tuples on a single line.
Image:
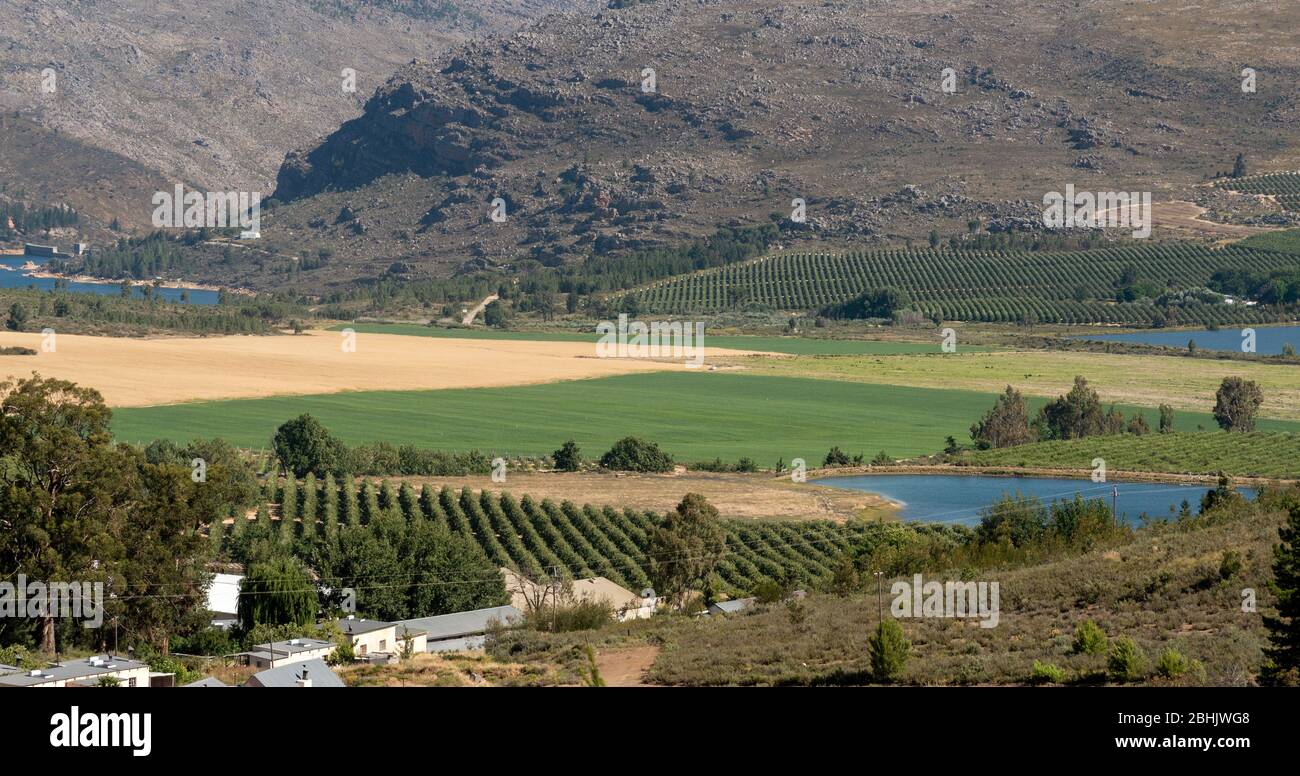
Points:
[(1079, 413), (28, 218)]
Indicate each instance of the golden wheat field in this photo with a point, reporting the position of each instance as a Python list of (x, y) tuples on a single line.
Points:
[(144, 372)]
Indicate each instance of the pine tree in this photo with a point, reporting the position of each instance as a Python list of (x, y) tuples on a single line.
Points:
[(270, 492), (388, 497), (310, 502), (430, 508), (369, 501), (455, 520), (407, 502), (889, 650), (289, 498), (349, 510), (216, 532), (330, 506), (284, 531), (1283, 652)]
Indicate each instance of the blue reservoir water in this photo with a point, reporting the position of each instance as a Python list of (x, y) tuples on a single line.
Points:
[(11, 276), (1268, 339), (942, 498)]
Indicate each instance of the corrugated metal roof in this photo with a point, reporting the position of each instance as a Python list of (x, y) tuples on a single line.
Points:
[(732, 606), (288, 676), (357, 625), (70, 670), (450, 626)]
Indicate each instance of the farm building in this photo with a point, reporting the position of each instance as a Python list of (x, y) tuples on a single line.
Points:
[(376, 638), (281, 653), (461, 631), (626, 604)]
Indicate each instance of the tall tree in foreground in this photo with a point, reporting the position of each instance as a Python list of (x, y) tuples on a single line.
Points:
[(1235, 404), (685, 549), (1283, 664), (57, 483), (74, 507)]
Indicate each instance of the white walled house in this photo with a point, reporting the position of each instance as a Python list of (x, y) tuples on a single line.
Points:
[(281, 653), (376, 637), (81, 673)]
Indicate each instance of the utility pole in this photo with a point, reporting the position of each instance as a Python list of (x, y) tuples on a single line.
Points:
[(1114, 502), (880, 605)]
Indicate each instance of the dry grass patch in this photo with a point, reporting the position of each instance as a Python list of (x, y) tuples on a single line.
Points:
[(144, 372), (1183, 383), (451, 669)]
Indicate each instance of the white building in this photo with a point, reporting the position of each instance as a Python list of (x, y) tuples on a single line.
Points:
[(223, 599), (81, 673), (376, 637), (282, 653)]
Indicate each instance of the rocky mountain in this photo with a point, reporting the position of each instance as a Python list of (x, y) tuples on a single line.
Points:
[(756, 103), (211, 94)]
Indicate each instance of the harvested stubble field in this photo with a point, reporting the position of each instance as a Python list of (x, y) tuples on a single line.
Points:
[(147, 372)]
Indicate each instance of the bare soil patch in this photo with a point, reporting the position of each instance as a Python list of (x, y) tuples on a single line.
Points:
[(626, 667)]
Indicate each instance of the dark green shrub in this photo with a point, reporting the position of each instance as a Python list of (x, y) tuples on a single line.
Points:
[(1047, 673), (568, 458), (836, 457), (1172, 664), (1231, 564), (1090, 639), (631, 454), (1127, 662)]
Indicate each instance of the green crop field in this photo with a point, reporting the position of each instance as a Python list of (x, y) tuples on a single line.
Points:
[(1261, 454), (1071, 287), (806, 346), (694, 416), (530, 536)]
